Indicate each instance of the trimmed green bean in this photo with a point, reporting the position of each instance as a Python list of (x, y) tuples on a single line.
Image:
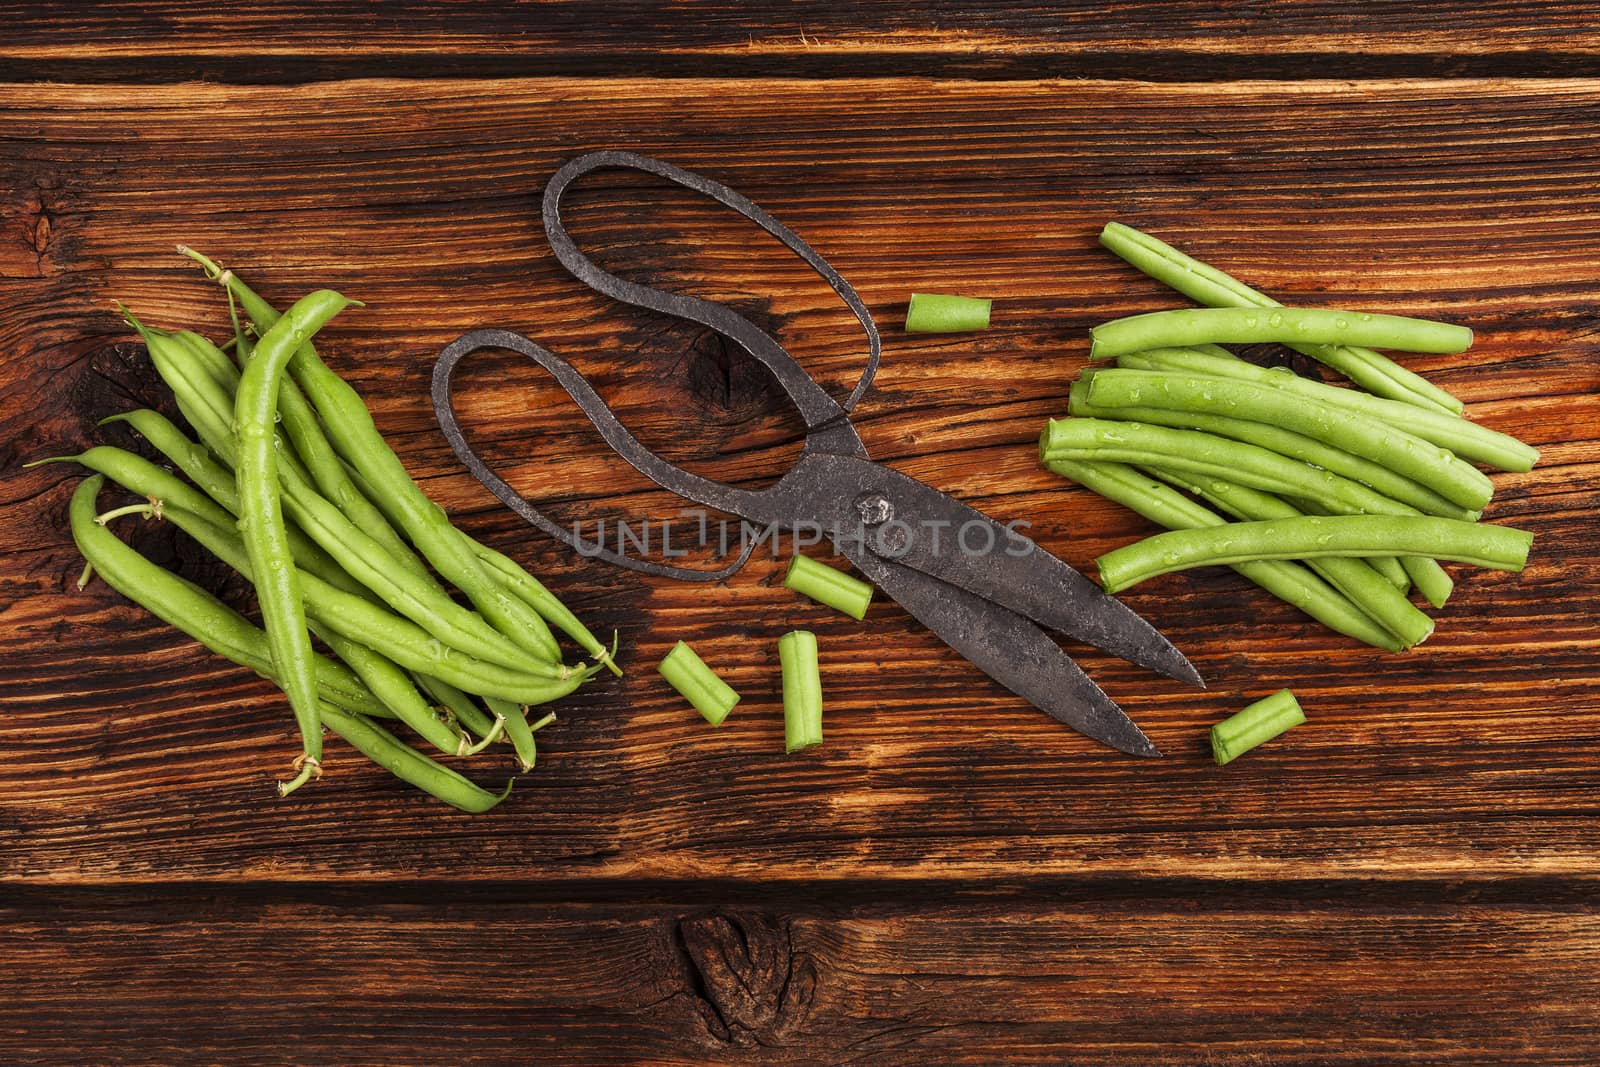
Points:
[(1373, 439), (828, 586), (1369, 590), (1466, 439), (1290, 582), (697, 683), (1206, 285), (1277, 439), (1249, 325), (1312, 536), (802, 690), (1255, 725), (941, 313)]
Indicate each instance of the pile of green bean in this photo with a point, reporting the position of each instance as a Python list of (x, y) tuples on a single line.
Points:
[(1337, 499), (291, 484)]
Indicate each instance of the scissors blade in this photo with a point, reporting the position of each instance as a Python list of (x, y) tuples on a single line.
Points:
[(936, 534), (1008, 648)]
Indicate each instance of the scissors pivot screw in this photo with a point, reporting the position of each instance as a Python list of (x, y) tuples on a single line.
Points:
[(875, 508)]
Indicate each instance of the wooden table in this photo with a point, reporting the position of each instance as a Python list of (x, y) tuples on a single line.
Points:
[(1409, 878)]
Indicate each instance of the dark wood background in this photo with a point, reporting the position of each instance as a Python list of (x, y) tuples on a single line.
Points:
[(1409, 878)]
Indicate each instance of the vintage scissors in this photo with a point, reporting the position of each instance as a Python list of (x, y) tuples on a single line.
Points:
[(989, 597)]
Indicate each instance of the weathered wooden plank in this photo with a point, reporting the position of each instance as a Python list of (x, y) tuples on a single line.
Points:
[(142, 759), (255, 42), (1148, 974)]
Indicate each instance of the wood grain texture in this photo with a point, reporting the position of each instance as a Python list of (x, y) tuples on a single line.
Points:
[(951, 873), (1146, 975), (177, 40)]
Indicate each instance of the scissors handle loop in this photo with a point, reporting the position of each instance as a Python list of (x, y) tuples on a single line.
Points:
[(684, 483), (817, 408)]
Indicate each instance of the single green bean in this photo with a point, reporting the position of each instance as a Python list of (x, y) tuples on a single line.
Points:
[(1468, 440), (834, 588), (261, 514), (1312, 536), (515, 718), (941, 313), (1369, 590), (1255, 725), (1432, 581), (1290, 582), (1381, 442), (697, 683), (1248, 325), (1206, 285), (1278, 439), (802, 690)]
